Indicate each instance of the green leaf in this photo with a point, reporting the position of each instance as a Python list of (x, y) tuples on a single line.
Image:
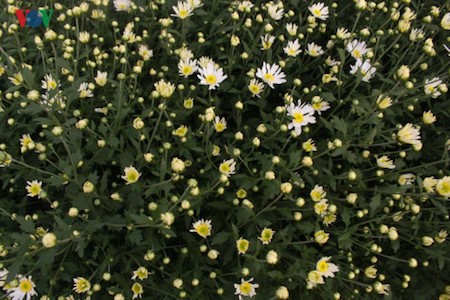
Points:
[(375, 202)]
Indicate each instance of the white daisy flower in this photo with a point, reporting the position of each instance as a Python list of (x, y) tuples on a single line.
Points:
[(182, 10), (220, 124), (319, 11), (385, 162), (314, 50), (267, 41), (34, 188), (49, 83), (357, 49), (274, 12), (255, 87), (246, 288), (431, 87), (245, 5), (271, 74), (302, 114), (292, 48), (227, 167), (85, 91), (365, 68), (211, 76), (122, 5), (145, 52), (202, 228), (24, 289), (291, 29), (319, 105), (101, 78), (325, 268), (409, 135), (187, 67)]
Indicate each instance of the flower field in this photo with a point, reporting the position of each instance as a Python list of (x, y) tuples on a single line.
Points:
[(156, 149)]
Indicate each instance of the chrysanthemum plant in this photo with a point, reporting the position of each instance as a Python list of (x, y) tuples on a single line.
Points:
[(232, 149)]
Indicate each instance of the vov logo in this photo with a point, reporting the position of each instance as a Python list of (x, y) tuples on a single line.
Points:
[(34, 18)]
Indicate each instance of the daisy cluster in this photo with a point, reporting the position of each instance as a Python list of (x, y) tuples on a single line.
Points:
[(234, 149)]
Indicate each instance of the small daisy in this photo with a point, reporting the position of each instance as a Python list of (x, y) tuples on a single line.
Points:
[(266, 236), (187, 67), (406, 179), (267, 41), (27, 142), (314, 278), (137, 290), (319, 105), (122, 5), (227, 167), (326, 268), (202, 228), (34, 188), (101, 78), (271, 74), (211, 76), (443, 186), (409, 135), (131, 175), (24, 289), (81, 285), (292, 48), (385, 163), (255, 87), (182, 10), (141, 273), (357, 49), (309, 145), (431, 87), (220, 124), (318, 193), (145, 52), (314, 50), (384, 102), (242, 245), (292, 28), (16, 79), (301, 114), (274, 12), (319, 11), (428, 117), (245, 6), (49, 83), (365, 68), (85, 91), (165, 89), (321, 207), (246, 288)]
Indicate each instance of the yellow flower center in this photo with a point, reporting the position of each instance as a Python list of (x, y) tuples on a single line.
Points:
[(25, 286), (183, 13), (269, 77), (224, 168), (202, 230), (187, 70), (245, 288), (220, 127), (211, 79), (254, 89), (35, 189), (137, 288), (298, 117), (243, 245), (132, 176), (317, 105), (317, 12), (356, 53), (322, 266), (444, 188)]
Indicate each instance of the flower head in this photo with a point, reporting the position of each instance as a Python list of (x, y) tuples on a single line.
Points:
[(242, 245), (266, 236), (443, 187), (81, 285), (49, 83), (292, 48), (314, 50), (271, 74), (202, 228), (34, 188), (101, 78), (246, 288), (357, 49), (122, 5), (314, 278), (365, 68), (137, 290), (409, 135), (431, 87), (319, 10), (182, 10), (385, 162), (165, 89), (131, 175), (227, 167), (24, 289), (255, 87), (325, 268), (302, 115), (211, 76), (187, 67), (141, 273), (220, 124)]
